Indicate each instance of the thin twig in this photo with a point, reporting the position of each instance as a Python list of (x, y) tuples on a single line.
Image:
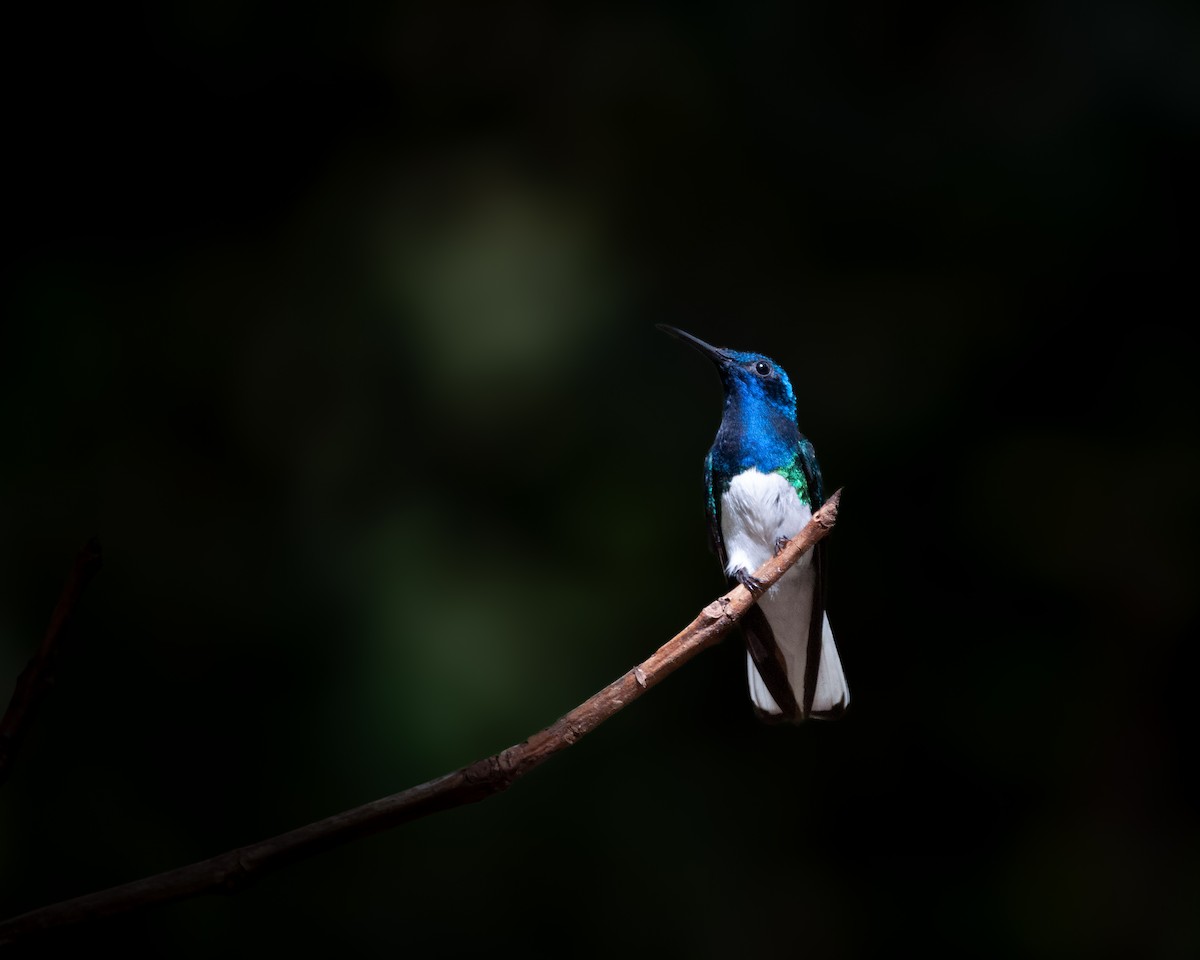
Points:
[(38, 676), (231, 871)]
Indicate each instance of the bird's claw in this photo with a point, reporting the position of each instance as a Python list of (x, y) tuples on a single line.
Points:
[(750, 582), (780, 543)]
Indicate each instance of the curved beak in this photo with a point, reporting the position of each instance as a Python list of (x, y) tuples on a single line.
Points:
[(715, 354)]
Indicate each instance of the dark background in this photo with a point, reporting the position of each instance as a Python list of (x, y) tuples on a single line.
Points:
[(336, 327)]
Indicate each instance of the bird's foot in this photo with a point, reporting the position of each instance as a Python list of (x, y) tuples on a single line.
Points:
[(751, 583), (780, 543)]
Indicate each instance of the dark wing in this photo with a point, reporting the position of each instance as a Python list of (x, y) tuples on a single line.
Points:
[(806, 460), (760, 638)]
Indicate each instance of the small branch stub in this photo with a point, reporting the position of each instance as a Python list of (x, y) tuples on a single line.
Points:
[(716, 609)]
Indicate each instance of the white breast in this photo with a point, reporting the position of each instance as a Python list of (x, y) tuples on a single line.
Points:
[(756, 510)]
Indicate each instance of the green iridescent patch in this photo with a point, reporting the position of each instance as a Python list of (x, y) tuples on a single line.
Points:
[(794, 475)]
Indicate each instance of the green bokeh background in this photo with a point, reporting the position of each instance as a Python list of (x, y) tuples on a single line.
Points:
[(336, 327)]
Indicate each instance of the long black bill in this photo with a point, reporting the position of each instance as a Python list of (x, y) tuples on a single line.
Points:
[(714, 354)]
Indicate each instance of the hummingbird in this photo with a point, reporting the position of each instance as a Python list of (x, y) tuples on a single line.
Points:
[(762, 484)]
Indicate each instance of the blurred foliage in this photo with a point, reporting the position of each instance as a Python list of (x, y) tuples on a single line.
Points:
[(335, 325)]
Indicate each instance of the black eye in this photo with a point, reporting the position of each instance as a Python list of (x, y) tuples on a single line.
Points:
[(762, 368)]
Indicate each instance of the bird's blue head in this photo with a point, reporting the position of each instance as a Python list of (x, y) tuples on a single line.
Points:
[(758, 426), (754, 384)]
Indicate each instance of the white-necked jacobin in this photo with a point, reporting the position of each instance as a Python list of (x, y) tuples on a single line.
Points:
[(762, 484)]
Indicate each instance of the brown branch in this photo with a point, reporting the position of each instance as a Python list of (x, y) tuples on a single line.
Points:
[(38, 676), (231, 871)]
